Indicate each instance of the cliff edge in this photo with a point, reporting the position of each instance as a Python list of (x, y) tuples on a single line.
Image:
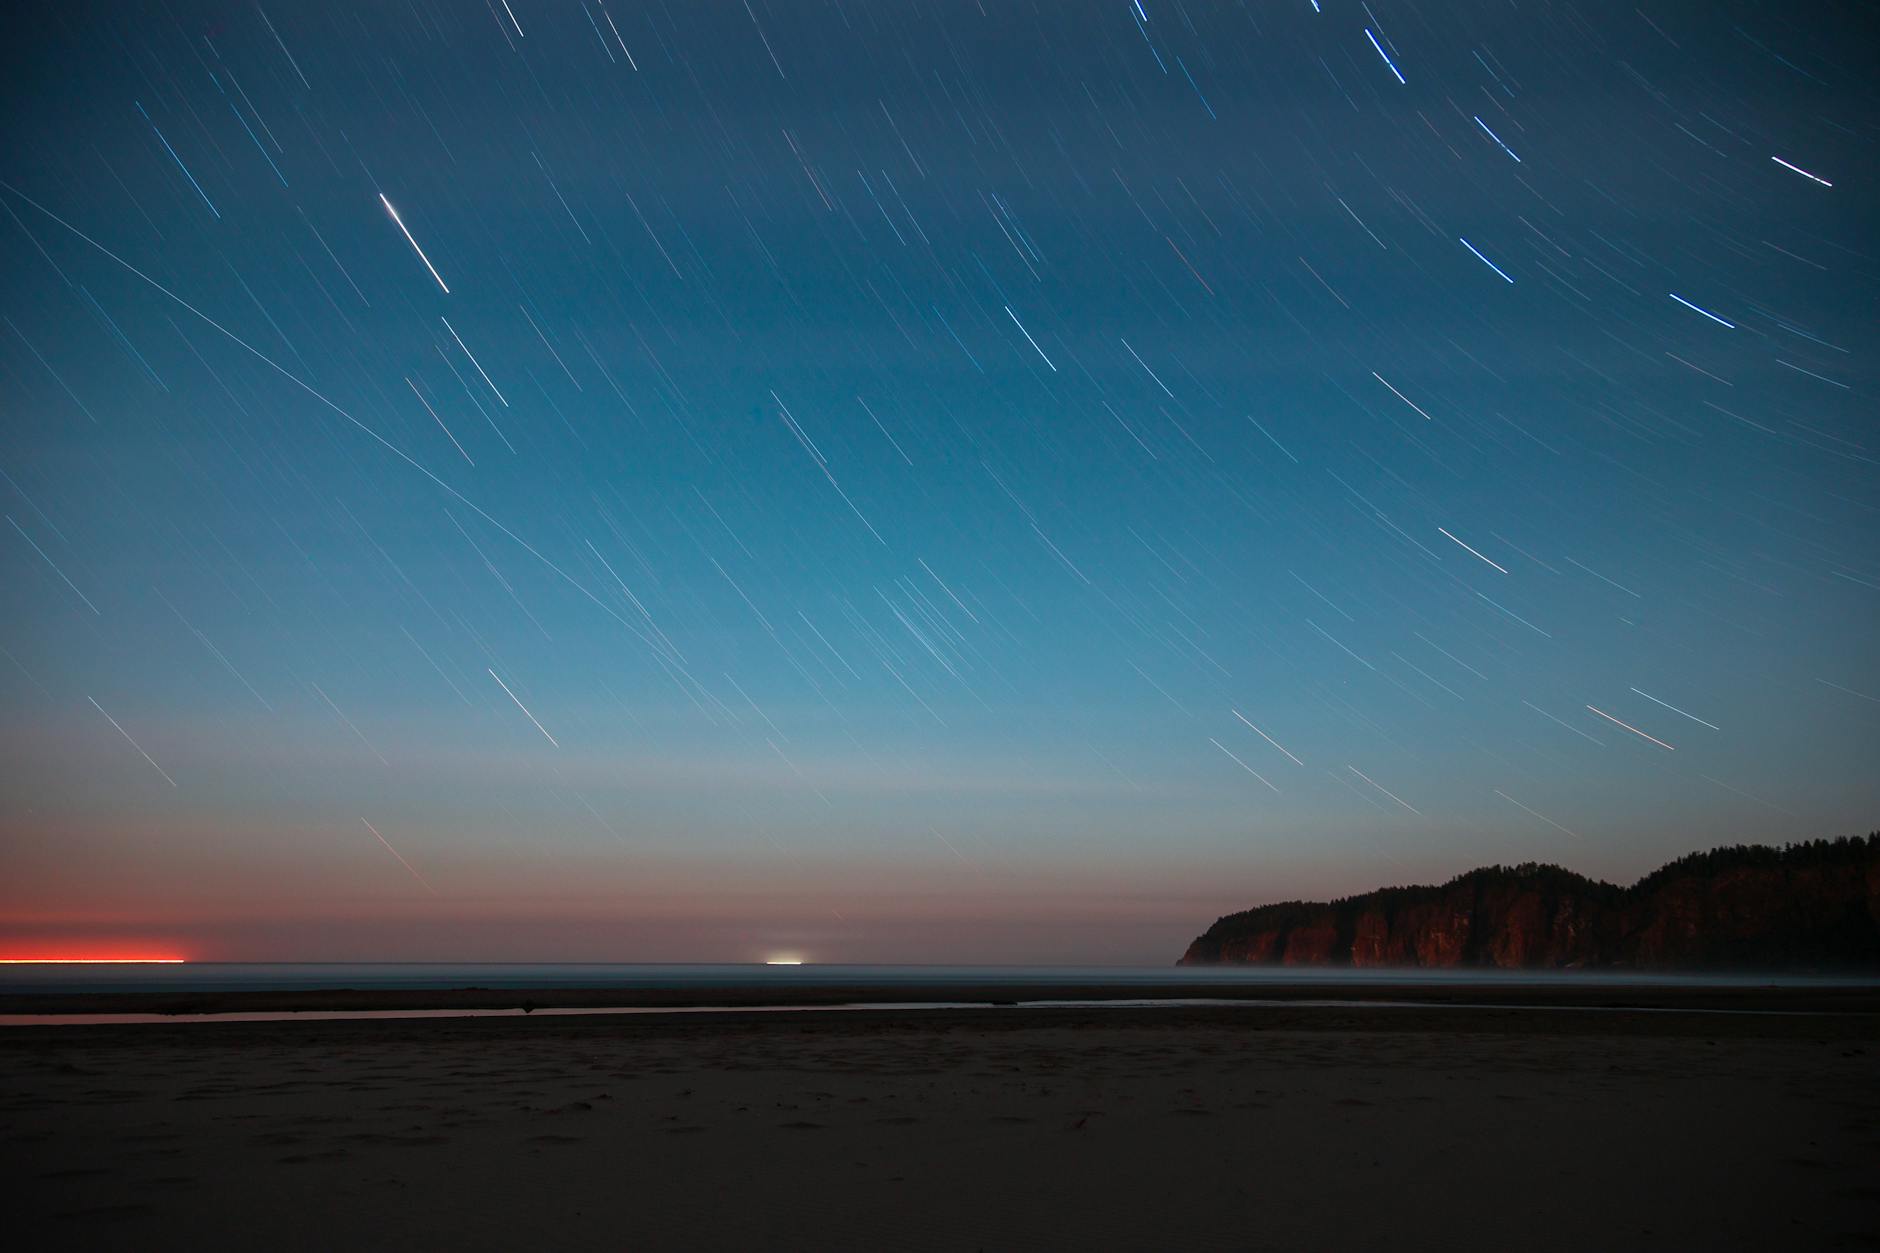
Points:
[(1808, 906)]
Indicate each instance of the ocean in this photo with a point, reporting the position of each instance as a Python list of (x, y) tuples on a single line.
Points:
[(310, 976)]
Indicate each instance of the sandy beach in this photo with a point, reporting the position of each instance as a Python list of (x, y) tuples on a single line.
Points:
[(1204, 1128)]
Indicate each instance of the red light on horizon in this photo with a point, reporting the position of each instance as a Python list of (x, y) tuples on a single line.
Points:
[(92, 961)]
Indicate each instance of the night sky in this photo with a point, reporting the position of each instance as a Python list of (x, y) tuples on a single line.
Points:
[(949, 481)]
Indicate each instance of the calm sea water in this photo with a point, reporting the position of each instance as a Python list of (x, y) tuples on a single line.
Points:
[(286, 976)]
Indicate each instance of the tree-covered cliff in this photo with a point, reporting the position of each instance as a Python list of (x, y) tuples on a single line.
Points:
[(1808, 906)]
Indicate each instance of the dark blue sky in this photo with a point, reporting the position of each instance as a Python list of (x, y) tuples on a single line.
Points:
[(890, 481)]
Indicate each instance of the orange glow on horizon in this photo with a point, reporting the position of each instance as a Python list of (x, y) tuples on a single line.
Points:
[(91, 961)]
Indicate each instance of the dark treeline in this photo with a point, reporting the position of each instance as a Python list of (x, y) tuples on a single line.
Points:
[(1812, 904)]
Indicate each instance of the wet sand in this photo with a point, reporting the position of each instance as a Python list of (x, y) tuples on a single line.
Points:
[(1197, 1128)]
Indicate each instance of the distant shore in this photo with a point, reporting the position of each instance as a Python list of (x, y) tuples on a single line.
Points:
[(1853, 996)]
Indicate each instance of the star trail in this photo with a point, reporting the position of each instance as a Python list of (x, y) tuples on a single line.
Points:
[(921, 461)]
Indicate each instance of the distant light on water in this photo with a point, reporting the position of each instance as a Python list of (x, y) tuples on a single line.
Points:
[(783, 961)]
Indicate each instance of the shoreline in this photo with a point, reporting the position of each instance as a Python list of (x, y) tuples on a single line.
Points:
[(1842, 999), (765, 1028)]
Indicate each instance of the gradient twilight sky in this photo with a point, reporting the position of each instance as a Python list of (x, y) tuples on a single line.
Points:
[(943, 481)]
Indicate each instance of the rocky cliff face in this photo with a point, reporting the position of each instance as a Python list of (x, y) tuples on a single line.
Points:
[(1806, 906)]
